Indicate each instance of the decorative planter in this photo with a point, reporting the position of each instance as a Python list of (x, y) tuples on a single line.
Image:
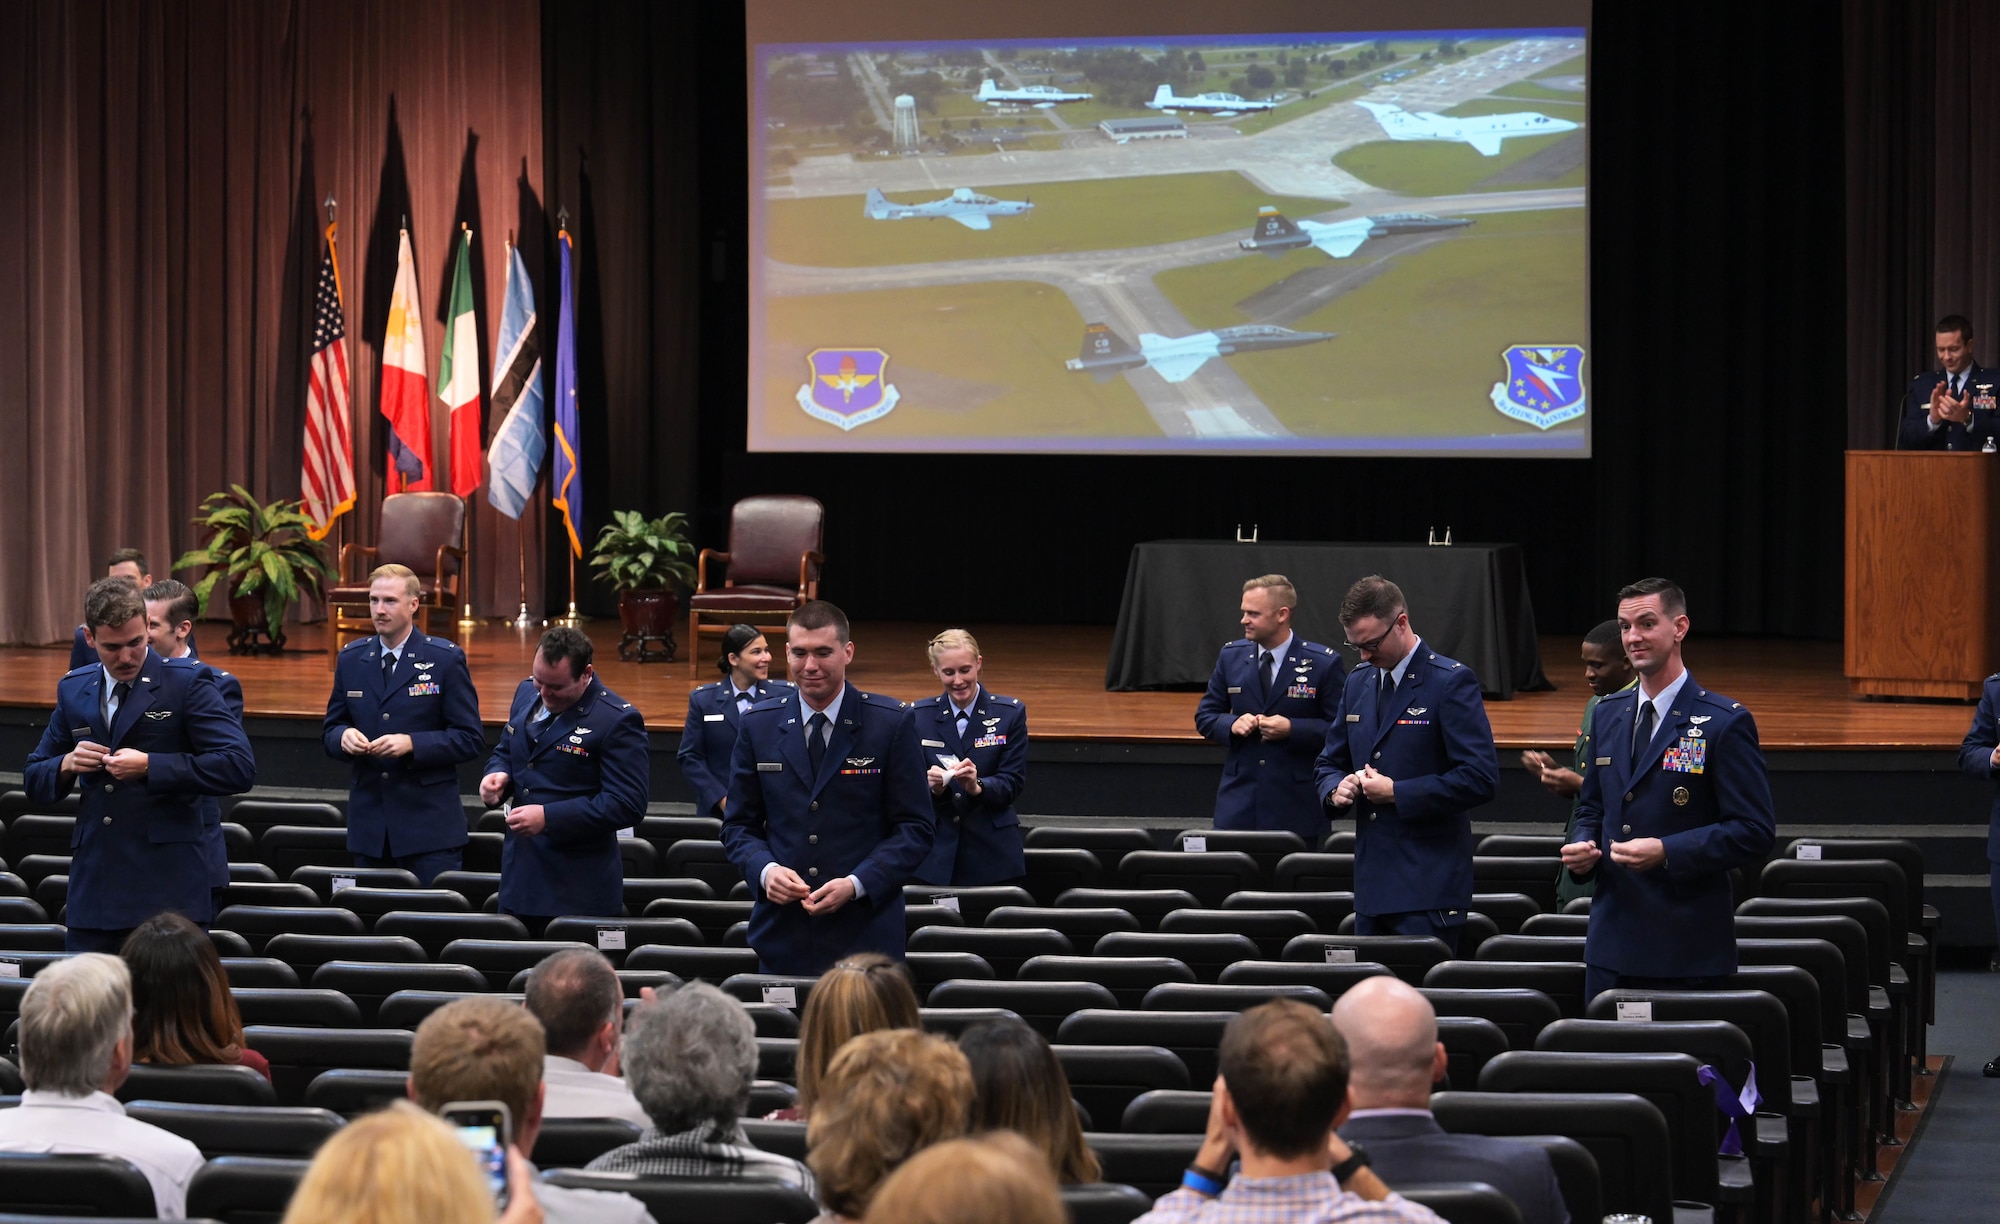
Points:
[(648, 618), (246, 624)]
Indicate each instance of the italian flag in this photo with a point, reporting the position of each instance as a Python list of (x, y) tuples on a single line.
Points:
[(406, 391), (459, 375)]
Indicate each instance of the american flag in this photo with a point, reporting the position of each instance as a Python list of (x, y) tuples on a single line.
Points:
[(327, 483)]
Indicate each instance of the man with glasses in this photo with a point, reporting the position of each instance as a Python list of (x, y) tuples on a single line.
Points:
[(1270, 702), (1675, 798), (573, 762), (1410, 754)]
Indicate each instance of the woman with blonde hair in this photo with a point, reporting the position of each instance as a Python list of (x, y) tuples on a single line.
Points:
[(403, 1166), (975, 745), (886, 1097), (994, 1179), (864, 993), (1020, 1086)]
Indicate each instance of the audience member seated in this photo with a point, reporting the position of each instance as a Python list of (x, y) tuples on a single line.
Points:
[(482, 1048), (183, 1013), (864, 993), (1391, 1034), (581, 1004), (885, 1097), (1018, 1085), (76, 1049), (691, 1056), (402, 1166), (1281, 1091), (994, 1179)]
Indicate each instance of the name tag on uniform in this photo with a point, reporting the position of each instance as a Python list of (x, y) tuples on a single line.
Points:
[(1235, 688), (81, 733), (1604, 760), (1354, 718), (770, 767), (356, 693), (712, 718), (933, 743)]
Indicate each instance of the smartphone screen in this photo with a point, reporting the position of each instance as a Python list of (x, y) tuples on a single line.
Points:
[(483, 1126)]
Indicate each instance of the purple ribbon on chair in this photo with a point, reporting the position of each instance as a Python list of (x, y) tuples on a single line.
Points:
[(1736, 1105)]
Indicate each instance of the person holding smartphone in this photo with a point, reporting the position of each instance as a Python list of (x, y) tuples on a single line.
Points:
[(975, 747), (708, 738)]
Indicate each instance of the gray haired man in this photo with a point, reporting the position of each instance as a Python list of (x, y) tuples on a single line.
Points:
[(76, 1050), (581, 1003), (690, 1058)]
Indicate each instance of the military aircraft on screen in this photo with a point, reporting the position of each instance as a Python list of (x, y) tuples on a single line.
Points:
[(1041, 97), (1482, 132), (1274, 233), (1175, 358), (1221, 105), (964, 205)]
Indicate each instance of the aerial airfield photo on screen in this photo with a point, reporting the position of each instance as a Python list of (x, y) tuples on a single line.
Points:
[(1351, 244)]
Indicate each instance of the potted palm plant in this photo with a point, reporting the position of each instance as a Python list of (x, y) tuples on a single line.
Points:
[(645, 560), (267, 558)]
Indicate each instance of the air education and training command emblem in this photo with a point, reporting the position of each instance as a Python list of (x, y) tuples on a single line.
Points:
[(1544, 384), (847, 387)]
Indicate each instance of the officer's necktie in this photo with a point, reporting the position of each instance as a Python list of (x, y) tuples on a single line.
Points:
[(1956, 385), (388, 665), (743, 700), (119, 692), (815, 742), (1642, 734), (1388, 689), (964, 717), (536, 722), (1264, 659)]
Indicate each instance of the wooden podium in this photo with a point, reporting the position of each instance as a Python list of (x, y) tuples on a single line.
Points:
[(1923, 573)]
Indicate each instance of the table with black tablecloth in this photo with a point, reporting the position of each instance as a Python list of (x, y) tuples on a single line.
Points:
[(1468, 602)]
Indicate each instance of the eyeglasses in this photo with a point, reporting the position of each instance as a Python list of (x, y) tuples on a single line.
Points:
[(1375, 643)]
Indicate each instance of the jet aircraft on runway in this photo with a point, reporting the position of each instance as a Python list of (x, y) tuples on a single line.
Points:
[(1274, 233), (964, 205), (1220, 104), (1482, 132), (1041, 97), (1175, 358)]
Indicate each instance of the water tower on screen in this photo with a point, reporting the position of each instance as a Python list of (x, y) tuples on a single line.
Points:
[(908, 137)]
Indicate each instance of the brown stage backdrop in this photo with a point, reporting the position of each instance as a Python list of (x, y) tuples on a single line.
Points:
[(161, 170)]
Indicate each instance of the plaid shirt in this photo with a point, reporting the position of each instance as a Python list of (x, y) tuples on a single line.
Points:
[(709, 1150), (1308, 1198)]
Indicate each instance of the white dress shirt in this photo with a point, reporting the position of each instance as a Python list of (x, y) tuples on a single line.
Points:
[(1661, 704), (575, 1091), (96, 1125)]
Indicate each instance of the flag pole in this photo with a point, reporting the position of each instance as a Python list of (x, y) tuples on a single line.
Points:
[(466, 620)]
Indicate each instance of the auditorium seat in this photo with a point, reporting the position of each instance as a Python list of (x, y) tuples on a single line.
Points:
[(236, 1130), (228, 943), (1200, 996), (1208, 955), (326, 881), (259, 971), (1053, 871), (1105, 1078), (12, 885), (617, 937), (269, 893), (640, 893), (1464, 1202), (1148, 905), (1625, 1133), (245, 872), (782, 1138), (314, 1008), (1168, 1111), (75, 1185), (1271, 928), (262, 923), (33, 937), (1508, 910), (927, 969), (1890, 995), (1108, 844), (52, 892), (710, 918), (708, 964), (1557, 924), (258, 815), (474, 886), (1151, 1164), (1470, 1042), (501, 959), (483, 853), (1576, 905), (917, 917), (1533, 948), (1340, 841), (298, 1054), (406, 1009), (1004, 948), (435, 932), (1193, 1036), (1264, 846), (768, 1096), (1561, 981), (1044, 1005), (306, 953), (1407, 956), (953, 1021), (289, 847), (1907, 855), (244, 1189), (35, 868), (31, 963), (975, 904), (1522, 845), (353, 1091), (769, 988), (367, 983), (33, 833), (1326, 909), (690, 1200), (1083, 926), (778, 1059), (21, 910), (372, 904), (198, 1085), (1331, 978), (571, 1143), (772, 1020), (1533, 875), (1126, 977), (1210, 875), (1105, 1203), (1520, 1013), (702, 859)]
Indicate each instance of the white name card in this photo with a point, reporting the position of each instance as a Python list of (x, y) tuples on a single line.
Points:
[(1194, 845), (10, 969), (1340, 956), (610, 939), (948, 900), (1812, 853), (341, 884), (782, 996), (1636, 1010)]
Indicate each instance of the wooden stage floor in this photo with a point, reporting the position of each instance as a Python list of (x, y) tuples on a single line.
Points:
[(1795, 688)]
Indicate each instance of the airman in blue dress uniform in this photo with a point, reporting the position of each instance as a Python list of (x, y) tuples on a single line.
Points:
[(715, 711), (975, 751)]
